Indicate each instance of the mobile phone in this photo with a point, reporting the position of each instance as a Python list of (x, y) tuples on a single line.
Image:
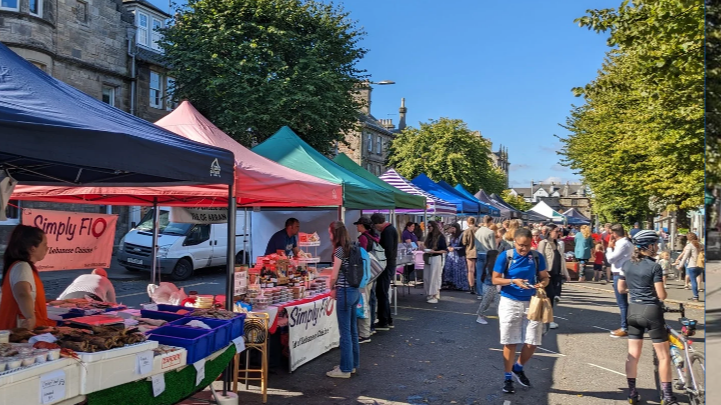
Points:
[(526, 284)]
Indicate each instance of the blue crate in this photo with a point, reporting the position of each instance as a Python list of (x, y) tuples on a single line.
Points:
[(173, 308), (237, 326), (220, 330), (197, 342), (165, 316)]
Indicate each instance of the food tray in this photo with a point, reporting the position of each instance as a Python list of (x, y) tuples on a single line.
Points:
[(196, 342), (97, 320), (24, 388), (118, 352), (220, 330)]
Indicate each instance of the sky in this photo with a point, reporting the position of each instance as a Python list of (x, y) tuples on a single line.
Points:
[(505, 68)]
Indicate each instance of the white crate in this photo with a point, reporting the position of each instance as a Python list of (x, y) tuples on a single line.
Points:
[(18, 388), (118, 351)]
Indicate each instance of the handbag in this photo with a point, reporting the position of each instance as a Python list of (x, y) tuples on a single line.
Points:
[(427, 258), (537, 309)]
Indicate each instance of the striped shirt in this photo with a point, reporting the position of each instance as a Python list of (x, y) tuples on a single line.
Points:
[(343, 267)]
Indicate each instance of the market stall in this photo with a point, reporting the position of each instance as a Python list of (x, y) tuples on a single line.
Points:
[(506, 212), (500, 200), (546, 210), (463, 205), (434, 205), (481, 207), (488, 208)]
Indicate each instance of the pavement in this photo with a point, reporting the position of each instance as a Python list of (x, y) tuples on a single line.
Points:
[(438, 354), (713, 319)]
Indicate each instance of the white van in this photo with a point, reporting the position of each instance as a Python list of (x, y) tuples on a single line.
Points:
[(183, 248)]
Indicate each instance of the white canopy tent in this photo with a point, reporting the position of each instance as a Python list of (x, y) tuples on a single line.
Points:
[(546, 210)]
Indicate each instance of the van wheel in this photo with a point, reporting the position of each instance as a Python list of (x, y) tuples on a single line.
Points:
[(182, 271)]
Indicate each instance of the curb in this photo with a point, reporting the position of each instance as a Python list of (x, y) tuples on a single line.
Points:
[(685, 303)]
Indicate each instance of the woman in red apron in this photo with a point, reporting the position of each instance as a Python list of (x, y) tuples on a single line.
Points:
[(23, 295)]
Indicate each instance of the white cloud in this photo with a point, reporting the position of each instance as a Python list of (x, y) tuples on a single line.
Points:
[(559, 168), (519, 167), (553, 179)]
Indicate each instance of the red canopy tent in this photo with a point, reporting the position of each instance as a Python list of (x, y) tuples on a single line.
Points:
[(258, 181)]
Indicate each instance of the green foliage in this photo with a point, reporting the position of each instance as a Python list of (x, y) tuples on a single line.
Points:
[(638, 139), (516, 201), (447, 150), (252, 66), (713, 94)]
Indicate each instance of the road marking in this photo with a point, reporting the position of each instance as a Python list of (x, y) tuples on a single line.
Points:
[(449, 312), (146, 293), (598, 327), (506, 402), (560, 317), (604, 368), (535, 354), (550, 351)]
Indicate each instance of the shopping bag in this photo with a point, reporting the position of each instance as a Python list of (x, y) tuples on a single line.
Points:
[(535, 308), (363, 309), (547, 311)]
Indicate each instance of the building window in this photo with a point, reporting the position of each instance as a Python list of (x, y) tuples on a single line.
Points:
[(36, 7), (13, 5), (170, 102), (142, 23), (379, 145), (369, 142), (109, 95), (81, 11), (156, 36), (156, 90), (574, 202)]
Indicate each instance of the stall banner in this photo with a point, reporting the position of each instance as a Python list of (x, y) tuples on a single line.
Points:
[(76, 240), (194, 215), (312, 330)]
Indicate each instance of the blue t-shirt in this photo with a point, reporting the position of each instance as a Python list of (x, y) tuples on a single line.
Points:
[(522, 267), (281, 241)]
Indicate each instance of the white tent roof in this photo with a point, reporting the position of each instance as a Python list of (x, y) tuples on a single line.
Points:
[(546, 210)]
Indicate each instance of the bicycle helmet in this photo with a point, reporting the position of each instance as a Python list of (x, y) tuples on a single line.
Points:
[(645, 238)]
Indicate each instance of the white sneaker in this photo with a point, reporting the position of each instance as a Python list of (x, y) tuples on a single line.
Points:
[(482, 320), (553, 325), (432, 301), (336, 373)]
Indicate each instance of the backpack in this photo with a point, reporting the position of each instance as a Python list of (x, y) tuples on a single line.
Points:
[(509, 258), (378, 252), (355, 271)]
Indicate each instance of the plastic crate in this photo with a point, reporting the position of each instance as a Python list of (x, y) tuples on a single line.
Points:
[(220, 330), (197, 342), (165, 316), (237, 326), (174, 308)]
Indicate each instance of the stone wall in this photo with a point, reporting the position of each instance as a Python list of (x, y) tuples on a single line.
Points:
[(143, 108)]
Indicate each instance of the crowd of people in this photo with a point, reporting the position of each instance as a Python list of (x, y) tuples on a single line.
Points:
[(504, 264)]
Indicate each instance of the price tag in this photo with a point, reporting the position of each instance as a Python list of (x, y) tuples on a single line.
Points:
[(158, 384), (200, 368), (52, 387), (144, 363), (239, 344), (151, 307)]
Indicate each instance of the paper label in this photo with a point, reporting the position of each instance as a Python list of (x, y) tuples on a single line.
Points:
[(52, 387), (151, 307), (158, 384), (200, 368), (239, 343), (144, 363), (171, 360)]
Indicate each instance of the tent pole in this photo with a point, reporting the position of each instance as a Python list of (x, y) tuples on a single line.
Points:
[(230, 274), (245, 235), (156, 226)]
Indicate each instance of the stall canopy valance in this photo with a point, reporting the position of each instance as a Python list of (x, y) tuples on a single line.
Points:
[(54, 134), (402, 200), (462, 205), (435, 205), (286, 148), (485, 207), (576, 218)]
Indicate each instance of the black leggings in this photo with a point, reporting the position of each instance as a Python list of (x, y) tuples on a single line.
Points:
[(646, 318)]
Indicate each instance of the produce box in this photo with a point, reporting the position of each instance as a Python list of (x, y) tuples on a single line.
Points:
[(220, 330), (197, 342), (58, 381)]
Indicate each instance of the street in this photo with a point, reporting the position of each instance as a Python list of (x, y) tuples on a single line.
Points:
[(713, 319)]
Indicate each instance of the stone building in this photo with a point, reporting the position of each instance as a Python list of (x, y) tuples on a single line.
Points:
[(369, 145), (500, 160), (561, 197), (105, 48)]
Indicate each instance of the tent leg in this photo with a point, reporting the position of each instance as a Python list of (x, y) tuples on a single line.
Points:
[(245, 235), (156, 225), (341, 214), (230, 280)]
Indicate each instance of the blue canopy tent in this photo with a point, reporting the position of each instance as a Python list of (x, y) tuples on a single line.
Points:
[(53, 134), (576, 218), (506, 213), (485, 207), (481, 208), (500, 200), (463, 206)]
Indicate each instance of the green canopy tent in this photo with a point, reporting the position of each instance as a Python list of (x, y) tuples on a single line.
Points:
[(286, 148), (402, 199)]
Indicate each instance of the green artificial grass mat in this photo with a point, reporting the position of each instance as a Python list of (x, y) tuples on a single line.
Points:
[(178, 385)]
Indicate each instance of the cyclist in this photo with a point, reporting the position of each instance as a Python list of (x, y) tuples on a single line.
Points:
[(642, 278)]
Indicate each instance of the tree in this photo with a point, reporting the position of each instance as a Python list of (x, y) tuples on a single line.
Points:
[(713, 94), (638, 139), (516, 201), (447, 150), (252, 66)]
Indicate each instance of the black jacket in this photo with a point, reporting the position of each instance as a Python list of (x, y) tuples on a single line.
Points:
[(389, 241)]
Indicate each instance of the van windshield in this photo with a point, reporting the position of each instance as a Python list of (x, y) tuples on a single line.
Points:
[(165, 227)]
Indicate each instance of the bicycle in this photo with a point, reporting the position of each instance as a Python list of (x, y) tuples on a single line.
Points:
[(689, 365)]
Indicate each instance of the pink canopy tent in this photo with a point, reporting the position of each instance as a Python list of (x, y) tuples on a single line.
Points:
[(258, 181)]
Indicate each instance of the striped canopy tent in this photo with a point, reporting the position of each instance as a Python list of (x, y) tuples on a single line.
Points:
[(434, 205)]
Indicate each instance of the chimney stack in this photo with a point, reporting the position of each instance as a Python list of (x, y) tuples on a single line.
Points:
[(402, 115), (363, 95), (387, 124)]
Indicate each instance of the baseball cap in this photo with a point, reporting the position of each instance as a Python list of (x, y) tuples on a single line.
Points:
[(364, 221)]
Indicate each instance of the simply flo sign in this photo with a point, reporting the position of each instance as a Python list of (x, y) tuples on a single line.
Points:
[(75, 240), (312, 330), (199, 215)]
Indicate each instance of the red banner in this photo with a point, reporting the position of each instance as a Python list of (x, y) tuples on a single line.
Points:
[(76, 240)]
